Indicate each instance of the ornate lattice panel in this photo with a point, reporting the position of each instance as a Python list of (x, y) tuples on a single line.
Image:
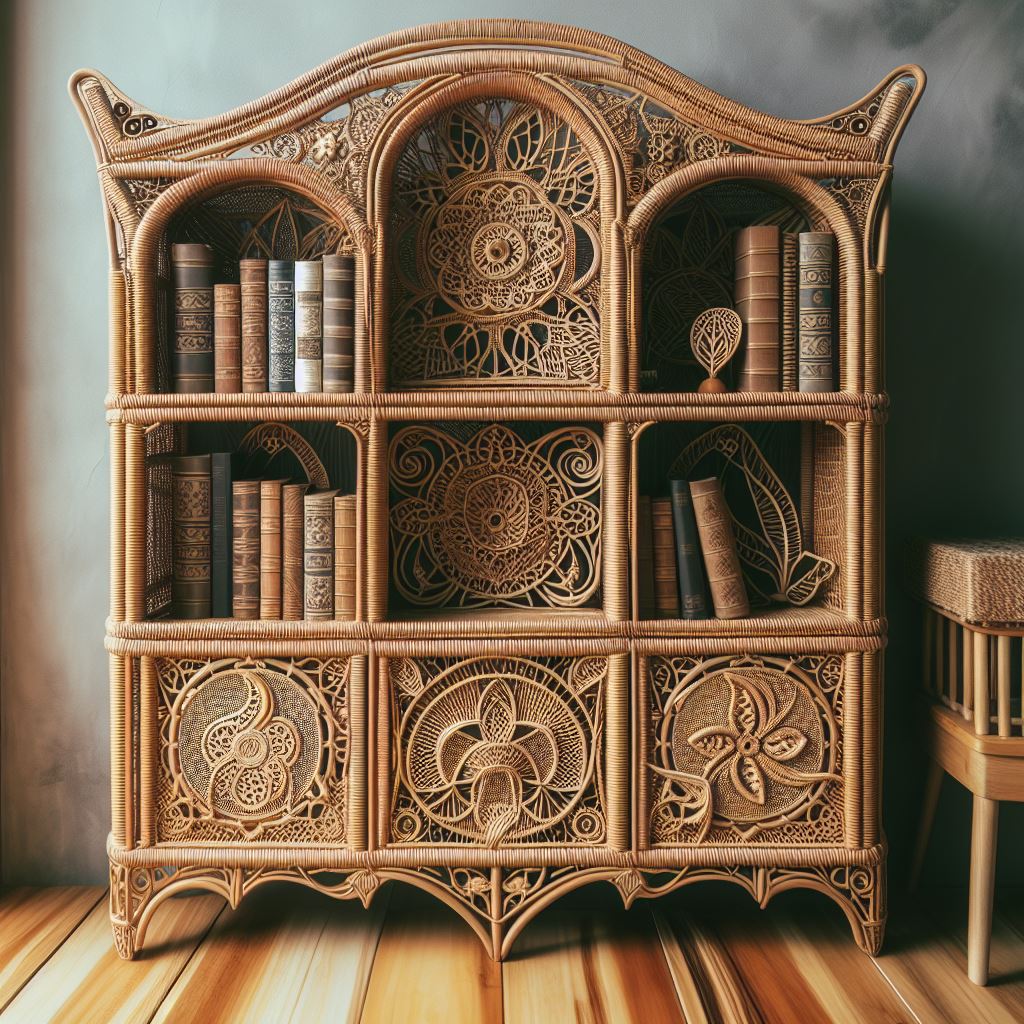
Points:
[(497, 251), (252, 750), (745, 749), (497, 751), (493, 518)]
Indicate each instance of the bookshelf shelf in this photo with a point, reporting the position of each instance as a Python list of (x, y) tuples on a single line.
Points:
[(503, 721)]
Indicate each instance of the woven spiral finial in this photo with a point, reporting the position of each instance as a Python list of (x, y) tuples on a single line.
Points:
[(714, 338)]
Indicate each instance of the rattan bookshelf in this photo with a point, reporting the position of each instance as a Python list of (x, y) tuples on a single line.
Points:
[(499, 726)]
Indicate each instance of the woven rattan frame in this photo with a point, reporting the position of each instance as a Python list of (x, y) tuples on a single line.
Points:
[(595, 689)]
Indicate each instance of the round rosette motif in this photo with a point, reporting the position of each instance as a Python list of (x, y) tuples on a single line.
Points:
[(496, 247)]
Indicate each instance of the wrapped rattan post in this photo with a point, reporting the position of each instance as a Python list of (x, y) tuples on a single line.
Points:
[(853, 577), (383, 766), (856, 743), (641, 743), (871, 770), (118, 746), (149, 750), (135, 523), (377, 521), (117, 371), (617, 751), (356, 792), (615, 583), (117, 520), (871, 516), (981, 683)]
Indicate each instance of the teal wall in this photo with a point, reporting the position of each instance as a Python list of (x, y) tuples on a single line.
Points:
[(955, 356)]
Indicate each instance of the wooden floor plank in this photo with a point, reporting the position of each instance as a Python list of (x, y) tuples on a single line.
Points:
[(85, 982), (264, 960), (591, 962), (431, 968), (33, 923), (927, 965)]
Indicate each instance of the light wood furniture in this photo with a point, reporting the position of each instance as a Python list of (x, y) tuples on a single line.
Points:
[(973, 671), (536, 214)]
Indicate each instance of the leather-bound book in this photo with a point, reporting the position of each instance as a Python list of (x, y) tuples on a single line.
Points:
[(227, 337), (270, 548), (192, 272), (245, 548), (693, 602), (345, 556), (318, 562), (309, 329), (666, 575), (646, 606), (281, 324), (221, 481), (790, 263), (339, 323), (757, 303), (190, 586), (253, 275), (817, 322), (292, 549), (718, 542)]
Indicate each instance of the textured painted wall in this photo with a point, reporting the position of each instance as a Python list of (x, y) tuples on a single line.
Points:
[(954, 352)]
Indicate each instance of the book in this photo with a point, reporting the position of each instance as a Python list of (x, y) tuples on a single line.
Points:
[(270, 548), (693, 602), (646, 605), (227, 338), (817, 322), (318, 558), (345, 556), (757, 302), (718, 542), (253, 275), (339, 322), (292, 549), (190, 537), (663, 547), (309, 337), (790, 249), (245, 548), (192, 274), (221, 481), (281, 325)]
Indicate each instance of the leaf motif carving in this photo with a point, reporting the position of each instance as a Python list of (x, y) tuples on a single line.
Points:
[(784, 744)]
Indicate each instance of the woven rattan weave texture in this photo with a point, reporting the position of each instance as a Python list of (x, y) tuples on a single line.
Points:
[(498, 725)]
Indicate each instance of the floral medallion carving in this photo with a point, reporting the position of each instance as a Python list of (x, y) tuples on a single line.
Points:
[(496, 751), (495, 519), (744, 745), (252, 750), (497, 251)]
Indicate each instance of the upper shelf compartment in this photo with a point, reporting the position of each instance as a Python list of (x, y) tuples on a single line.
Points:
[(494, 217)]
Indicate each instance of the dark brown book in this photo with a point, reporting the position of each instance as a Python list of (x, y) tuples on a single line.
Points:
[(339, 323), (227, 337), (757, 303), (270, 548), (292, 549), (718, 542), (817, 321), (245, 548), (253, 275), (222, 466), (693, 602), (309, 326), (646, 606), (666, 577), (190, 589), (345, 556), (318, 560), (790, 261), (192, 272)]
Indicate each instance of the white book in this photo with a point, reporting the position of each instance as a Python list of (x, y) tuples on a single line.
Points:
[(309, 325)]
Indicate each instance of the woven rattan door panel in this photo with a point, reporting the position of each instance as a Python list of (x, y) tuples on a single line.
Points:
[(535, 216), (249, 751)]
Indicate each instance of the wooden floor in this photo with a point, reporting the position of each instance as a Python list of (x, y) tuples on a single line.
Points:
[(707, 955)]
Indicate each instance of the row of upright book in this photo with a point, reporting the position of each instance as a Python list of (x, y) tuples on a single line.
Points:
[(288, 325), (258, 549), (785, 297), (688, 564)]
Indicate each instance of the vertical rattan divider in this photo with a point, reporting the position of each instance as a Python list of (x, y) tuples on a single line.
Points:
[(500, 725)]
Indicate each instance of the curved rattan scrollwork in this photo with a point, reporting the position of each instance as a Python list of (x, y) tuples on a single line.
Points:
[(275, 438), (497, 251), (775, 562), (496, 519), (745, 748), (252, 750), (498, 751)]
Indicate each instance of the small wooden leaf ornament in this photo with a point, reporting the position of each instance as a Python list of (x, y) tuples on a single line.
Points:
[(714, 337)]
